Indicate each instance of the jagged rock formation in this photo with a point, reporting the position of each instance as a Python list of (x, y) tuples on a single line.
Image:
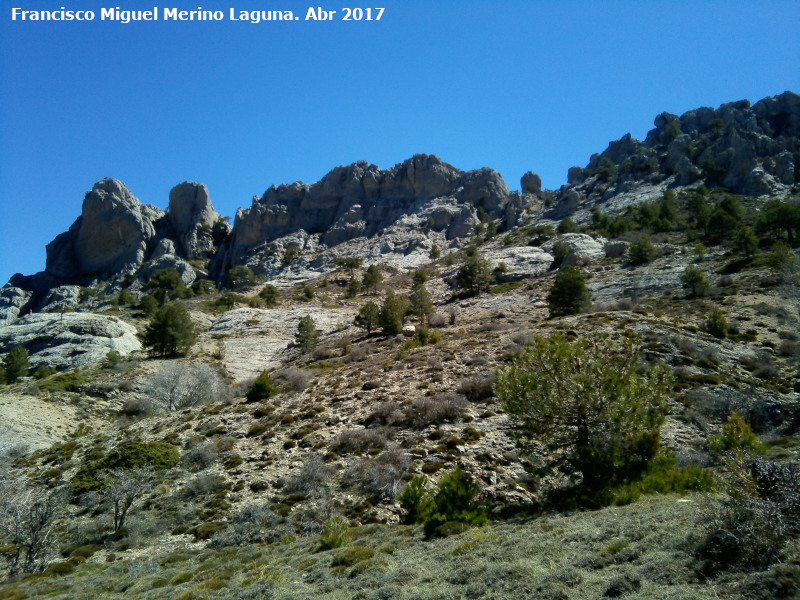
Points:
[(111, 235), (192, 217), (361, 200), (752, 150), (69, 340)]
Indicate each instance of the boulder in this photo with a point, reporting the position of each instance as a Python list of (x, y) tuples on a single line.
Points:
[(69, 340), (63, 297), (584, 246), (521, 262)]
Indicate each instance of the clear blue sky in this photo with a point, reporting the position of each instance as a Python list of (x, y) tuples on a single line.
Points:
[(512, 85)]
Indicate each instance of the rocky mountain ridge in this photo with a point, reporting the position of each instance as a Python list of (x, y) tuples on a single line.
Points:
[(396, 216)]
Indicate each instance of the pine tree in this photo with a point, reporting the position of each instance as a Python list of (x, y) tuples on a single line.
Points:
[(307, 336), (475, 275), (170, 331), (568, 294), (368, 317)]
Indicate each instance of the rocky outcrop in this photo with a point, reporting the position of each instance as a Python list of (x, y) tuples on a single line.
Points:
[(111, 235), (68, 340), (12, 302), (192, 217), (752, 150), (361, 200)]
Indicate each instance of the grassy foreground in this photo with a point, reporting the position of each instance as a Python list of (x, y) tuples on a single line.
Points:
[(644, 550)]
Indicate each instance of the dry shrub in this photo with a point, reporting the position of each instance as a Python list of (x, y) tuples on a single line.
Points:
[(386, 414), (425, 411), (292, 379), (478, 387), (381, 476), (360, 440), (437, 320), (359, 352), (311, 477), (206, 484), (323, 353), (200, 456), (138, 407)]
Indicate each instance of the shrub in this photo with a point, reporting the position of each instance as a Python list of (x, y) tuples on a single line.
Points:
[(335, 534), (360, 440), (475, 274), (414, 501), (454, 501), (263, 388), (269, 294), (292, 379), (159, 456), (588, 403), (758, 515), (569, 295), (426, 410), (736, 435), (63, 382), (200, 456), (382, 475), (311, 477), (478, 387), (716, 324), (175, 385), (167, 284), (642, 250), (240, 276), (567, 225), (15, 364), (695, 281), (170, 331)]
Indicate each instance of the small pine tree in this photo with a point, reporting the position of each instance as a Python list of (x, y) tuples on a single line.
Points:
[(435, 252), (269, 294), (695, 281), (393, 313), (421, 303), (372, 279), (170, 331), (745, 242), (475, 274), (368, 317), (15, 364), (307, 336), (240, 276), (642, 250), (263, 388), (167, 284), (569, 295), (353, 288)]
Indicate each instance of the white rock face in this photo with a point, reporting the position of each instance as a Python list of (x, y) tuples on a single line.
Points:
[(69, 340), (255, 339)]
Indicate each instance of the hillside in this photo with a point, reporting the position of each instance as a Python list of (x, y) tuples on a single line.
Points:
[(294, 493)]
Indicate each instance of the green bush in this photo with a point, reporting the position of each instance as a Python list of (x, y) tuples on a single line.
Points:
[(663, 477), (63, 382), (695, 281), (393, 313), (475, 274), (716, 324), (158, 455), (736, 435), (335, 534), (263, 388), (414, 501), (642, 250)]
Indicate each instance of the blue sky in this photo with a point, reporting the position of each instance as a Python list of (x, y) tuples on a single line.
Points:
[(512, 85)]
